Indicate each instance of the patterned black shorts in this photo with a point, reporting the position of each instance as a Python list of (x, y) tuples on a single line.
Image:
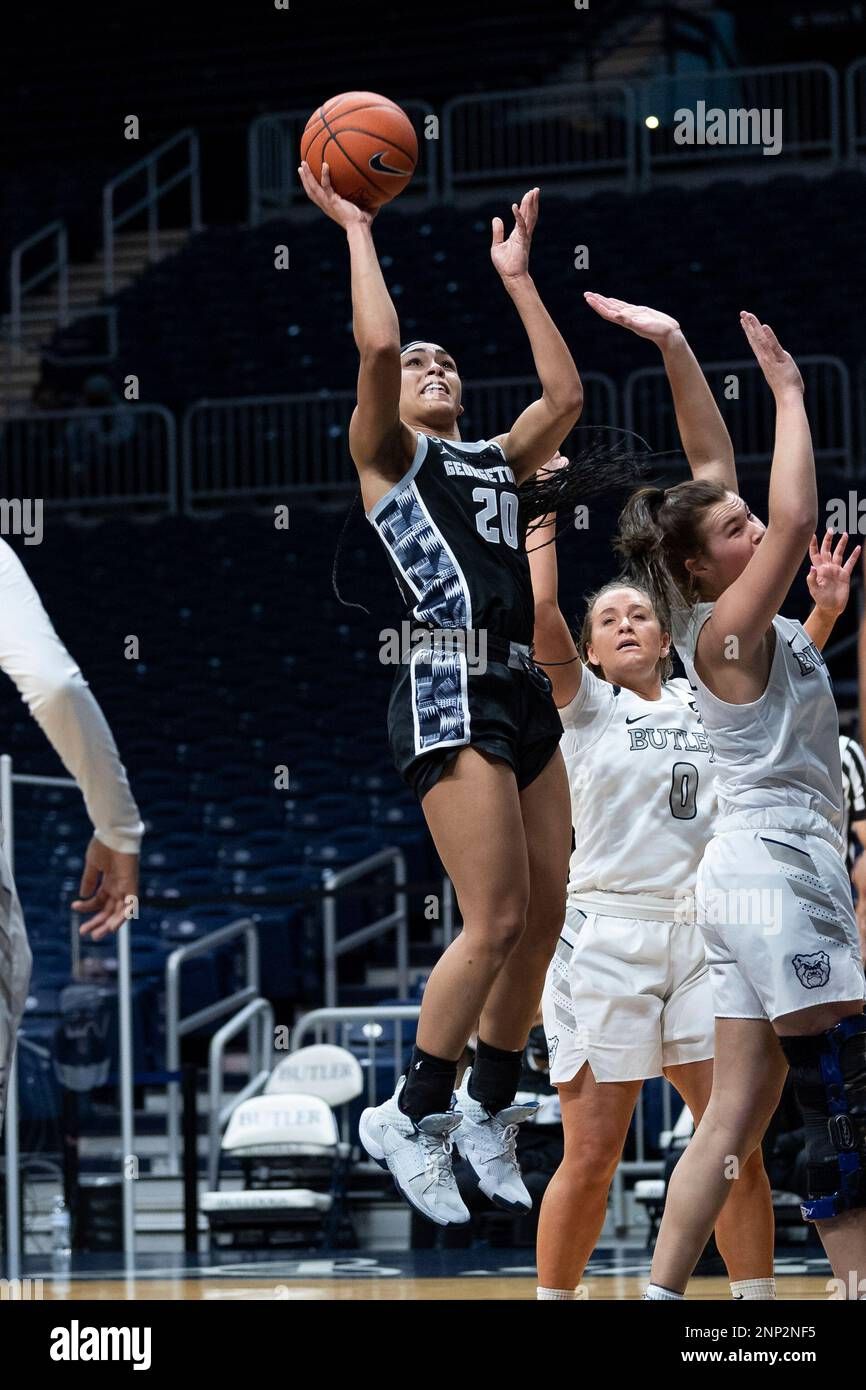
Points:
[(440, 704)]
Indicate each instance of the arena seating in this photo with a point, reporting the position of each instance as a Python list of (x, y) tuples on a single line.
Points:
[(219, 320), (234, 679)]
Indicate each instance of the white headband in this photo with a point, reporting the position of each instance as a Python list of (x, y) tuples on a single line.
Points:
[(421, 342)]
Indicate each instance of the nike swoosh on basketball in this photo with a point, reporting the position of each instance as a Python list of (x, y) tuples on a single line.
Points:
[(375, 162), (635, 717)]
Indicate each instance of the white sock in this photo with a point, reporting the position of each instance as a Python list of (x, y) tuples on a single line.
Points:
[(753, 1288), (555, 1293), (656, 1291)]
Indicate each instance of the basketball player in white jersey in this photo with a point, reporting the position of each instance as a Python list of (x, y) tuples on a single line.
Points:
[(789, 991), (627, 994), (59, 698)]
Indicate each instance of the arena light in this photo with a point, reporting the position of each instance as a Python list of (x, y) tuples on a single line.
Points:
[(652, 122)]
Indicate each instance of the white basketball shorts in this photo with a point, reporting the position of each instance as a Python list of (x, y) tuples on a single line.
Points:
[(777, 918), (628, 995)]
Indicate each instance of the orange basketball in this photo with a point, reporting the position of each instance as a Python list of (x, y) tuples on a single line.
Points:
[(368, 144)]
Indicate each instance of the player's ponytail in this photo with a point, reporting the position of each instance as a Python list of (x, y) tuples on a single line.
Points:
[(640, 542), (659, 529)]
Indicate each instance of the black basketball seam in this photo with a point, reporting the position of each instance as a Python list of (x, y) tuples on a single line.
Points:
[(323, 130), (377, 106), (348, 157), (357, 130), (377, 135)]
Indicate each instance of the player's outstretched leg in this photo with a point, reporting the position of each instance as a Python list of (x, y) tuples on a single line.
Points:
[(474, 815), (487, 1136)]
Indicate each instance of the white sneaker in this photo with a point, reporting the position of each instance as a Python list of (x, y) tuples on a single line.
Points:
[(418, 1157), (489, 1145)]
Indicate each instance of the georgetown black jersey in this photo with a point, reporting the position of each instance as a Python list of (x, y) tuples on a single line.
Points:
[(452, 533)]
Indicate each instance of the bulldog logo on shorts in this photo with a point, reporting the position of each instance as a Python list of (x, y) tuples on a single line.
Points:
[(552, 1045), (812, 971)]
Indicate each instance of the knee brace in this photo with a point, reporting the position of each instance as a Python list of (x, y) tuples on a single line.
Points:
[(829, 1076)]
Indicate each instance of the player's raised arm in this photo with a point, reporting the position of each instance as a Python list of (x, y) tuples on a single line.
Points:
[(539, 431), (553, 645), (747, 607), (381, 446), (705, 439)]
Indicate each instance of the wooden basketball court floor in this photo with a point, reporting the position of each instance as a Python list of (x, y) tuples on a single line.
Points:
[(614, 1275)]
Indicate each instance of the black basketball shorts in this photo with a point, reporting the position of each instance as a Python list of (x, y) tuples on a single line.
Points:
[(441, 703)]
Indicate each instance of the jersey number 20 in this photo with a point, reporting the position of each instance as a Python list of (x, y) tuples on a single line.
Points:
[(502, 505)]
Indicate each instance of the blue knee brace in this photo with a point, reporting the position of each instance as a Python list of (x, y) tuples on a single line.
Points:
[(829, 1076)]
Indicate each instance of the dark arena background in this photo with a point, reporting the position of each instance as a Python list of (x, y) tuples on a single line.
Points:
[(177, 373)]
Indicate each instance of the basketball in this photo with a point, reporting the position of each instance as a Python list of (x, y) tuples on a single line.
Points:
[(368, 144)]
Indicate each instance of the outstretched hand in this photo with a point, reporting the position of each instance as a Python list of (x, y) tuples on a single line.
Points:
[(340, 210), (639, 318), (108, 889), (829, 579), (779, 368), (511, 256)]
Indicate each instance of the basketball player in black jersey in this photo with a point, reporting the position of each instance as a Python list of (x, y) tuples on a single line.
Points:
[(472, 723)]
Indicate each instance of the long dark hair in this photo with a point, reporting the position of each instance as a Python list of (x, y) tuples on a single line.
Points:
[(659, 529), (605, 461), (660, 611)]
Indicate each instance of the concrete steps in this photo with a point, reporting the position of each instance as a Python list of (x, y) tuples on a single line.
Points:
[(20, 368)]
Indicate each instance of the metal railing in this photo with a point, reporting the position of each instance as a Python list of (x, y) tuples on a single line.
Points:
[(649, 410), (90, 457), (8, 780), (257, 1010), (55, 233), (335, 946), (262, 446), (256, 446), (599, 131), (855, 109), (494, 404), (805, 94), (318, 1021), (177, 1027), (542, 132), (259, 447), (274, 152), (149, 202)]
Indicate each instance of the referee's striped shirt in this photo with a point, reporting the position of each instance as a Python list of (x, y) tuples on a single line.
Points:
[(854, 788)]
